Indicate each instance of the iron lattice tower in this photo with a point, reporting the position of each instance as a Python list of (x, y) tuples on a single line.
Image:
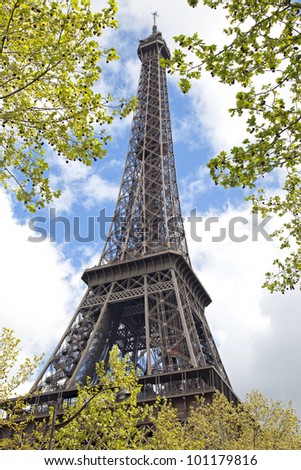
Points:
[(143, 295)]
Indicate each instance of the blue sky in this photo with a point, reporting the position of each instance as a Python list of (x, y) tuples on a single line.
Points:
[(257, 333)]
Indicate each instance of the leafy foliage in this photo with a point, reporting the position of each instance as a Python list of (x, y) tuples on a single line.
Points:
[(50, 60), (105, 424), (257, 423), (11, 376), (95, 421), (167, 431), (268, 424), (213, 425), (262, 55)]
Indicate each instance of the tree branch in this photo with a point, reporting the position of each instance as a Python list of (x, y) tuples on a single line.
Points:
[(8, 25)]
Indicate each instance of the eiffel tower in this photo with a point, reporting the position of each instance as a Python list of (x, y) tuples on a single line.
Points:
[(143, 295)]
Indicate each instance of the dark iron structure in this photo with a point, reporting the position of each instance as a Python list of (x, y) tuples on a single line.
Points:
[(143, 295)]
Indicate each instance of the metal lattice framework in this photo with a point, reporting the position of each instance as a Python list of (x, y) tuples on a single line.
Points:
[(156, 316), (143, 295), (147, 217)]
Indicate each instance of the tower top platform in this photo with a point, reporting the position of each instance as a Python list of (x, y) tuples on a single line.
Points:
[(154, 42)]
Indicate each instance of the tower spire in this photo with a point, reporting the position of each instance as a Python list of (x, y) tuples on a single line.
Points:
[(144, 296), (155, 29), (147, 217)]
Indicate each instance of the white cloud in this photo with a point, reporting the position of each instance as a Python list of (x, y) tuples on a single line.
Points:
[(82, 184), (175, 17), (70, 172), (256, 332), (191, 188), (65, 202), (211, 101), (97, 190), (38, 285)]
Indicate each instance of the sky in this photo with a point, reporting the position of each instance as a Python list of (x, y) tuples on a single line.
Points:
[(257, 333)]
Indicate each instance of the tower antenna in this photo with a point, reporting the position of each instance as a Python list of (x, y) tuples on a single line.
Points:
[(155, 15)]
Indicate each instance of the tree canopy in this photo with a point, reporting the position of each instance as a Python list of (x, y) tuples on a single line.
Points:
[(12, 372), (51, 58), (261, 55), (257, 423), (103, 424)]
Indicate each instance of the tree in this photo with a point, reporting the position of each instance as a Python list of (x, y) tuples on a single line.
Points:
[(255, 424), (268, 424), (167, 432), (102, 424), (12, 374), (212, 425), (105, 424), (261, 55), (50, 61)]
